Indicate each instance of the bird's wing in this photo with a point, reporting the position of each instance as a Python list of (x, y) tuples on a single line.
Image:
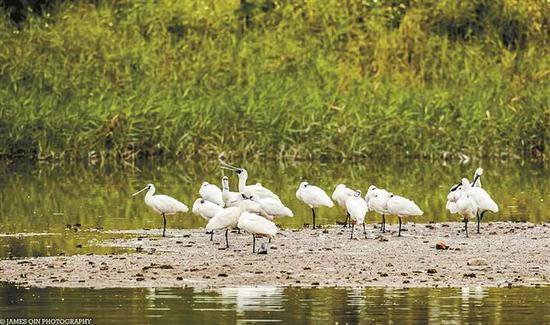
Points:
[(275, 207), (315, 196), (483, 199), (225, 218), (402, 206), (212, 193), (255, 224), (261, 191), (167, 204)]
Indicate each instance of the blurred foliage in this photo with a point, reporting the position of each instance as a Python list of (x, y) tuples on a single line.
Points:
[(275, 79)]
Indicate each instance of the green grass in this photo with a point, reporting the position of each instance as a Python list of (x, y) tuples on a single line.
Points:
[(297, 80)]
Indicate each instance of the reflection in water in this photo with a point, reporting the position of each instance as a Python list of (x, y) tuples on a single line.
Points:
[(49, 198), (243, 299), (285, 305)]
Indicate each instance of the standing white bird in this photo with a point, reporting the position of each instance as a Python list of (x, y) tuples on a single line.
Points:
[(212, 193), (231, 199), (482, 198), (257, 226), (376, 199), (225, 219), (314, 197), (162, 204), (272, 207), (402, 207), (340, 195), (466, 206), (207, 210), (248, 190), (357, 209)]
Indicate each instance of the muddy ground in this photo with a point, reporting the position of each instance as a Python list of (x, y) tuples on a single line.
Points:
[(427, 255)]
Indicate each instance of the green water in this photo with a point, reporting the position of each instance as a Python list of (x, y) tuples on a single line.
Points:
[(282, 305), (52, 199)]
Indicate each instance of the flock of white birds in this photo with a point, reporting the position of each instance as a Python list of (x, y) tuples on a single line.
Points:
[(253, 208)]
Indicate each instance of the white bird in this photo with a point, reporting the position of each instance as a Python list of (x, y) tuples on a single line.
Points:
[(376, 199), (212, 193), (476, 182), (257, 226), (465, 205), (231, 199), (205, 209), (357, 209), (272, 207), (402, 207), (340, 195), (248, 190), (482, 198), (225, 219), (314, 197), (162, 204)]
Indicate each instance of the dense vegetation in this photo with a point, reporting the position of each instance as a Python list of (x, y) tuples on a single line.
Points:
[(275, 79)]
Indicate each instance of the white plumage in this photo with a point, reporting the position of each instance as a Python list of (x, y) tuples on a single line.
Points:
[(402, 207), (466, 206), (257, 226), (162, 204), (231, 199), (376, 199), (205, 209), (272, 207), (340, 195), (212, 193), (225, 219), (314, 197), (249, 190), (357, 209)]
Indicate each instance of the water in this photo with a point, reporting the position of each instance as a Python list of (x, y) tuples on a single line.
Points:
[(282, 305), (50, 199)]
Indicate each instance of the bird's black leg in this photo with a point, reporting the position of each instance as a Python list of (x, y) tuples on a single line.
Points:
[(313, 211), (238, 230), (466, 226), (383, 223), (211, 235), (164, 225), (346, 222), (226, 241), (253, 243), (352, 227), (479, 219), (269, 241), (399, 234), (364, 230)]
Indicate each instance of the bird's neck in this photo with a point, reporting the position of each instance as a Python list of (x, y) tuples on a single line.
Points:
[(242, 183), (149, 194)]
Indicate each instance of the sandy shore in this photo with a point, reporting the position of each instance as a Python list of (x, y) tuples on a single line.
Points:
[(504, 254)]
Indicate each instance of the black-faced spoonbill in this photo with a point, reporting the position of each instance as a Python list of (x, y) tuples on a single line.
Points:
[(162, 204), (207, 210), (376, 199), (249, 190), (402, 207), (257, 226), (212, 193), (231, 199), (483, 200), (340, 195), (225, 219), (314, 197), (357, 209), (271, 207)]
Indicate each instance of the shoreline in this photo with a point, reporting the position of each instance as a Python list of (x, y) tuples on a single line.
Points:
[(505, 254)]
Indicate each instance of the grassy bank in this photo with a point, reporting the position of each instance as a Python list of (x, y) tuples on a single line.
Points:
[(299, 80)]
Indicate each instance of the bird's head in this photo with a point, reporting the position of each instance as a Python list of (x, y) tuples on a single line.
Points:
[(304, 184), (357, 193), (205, 184), (146, 188)]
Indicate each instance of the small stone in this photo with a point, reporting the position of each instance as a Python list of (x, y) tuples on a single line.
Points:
[(431, 271), (314, 283), (477, 262), (469, 275), (78, 245), (222, 275), (179, 278), (441, 246), (263, 249)]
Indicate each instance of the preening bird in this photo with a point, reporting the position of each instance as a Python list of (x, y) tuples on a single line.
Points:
[(314, 197), (212, 193), (231, 199), (402, 207), (272, 207), (225, 219), (163, 204), (357, 209), (376, 199), (340, 195), (257, 226)]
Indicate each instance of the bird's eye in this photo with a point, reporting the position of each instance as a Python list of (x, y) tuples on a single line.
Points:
[(202, 201)]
